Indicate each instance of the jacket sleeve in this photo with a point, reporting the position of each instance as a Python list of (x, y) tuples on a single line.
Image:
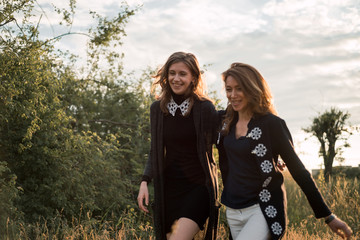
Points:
[(223, 165), (147, 175), (211, 121), (148, 171), (212, 117), (283, 145)]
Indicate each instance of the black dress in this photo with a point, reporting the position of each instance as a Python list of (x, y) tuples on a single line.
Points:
[(185, 192)]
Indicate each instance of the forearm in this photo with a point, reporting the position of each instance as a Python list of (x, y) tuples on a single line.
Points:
[(148, 175)]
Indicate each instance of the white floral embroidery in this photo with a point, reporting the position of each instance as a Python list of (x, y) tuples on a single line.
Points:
[(271, 211), (255, 134), (260, 150), (184, 106), (265, 195), (276, 228), (266, 166), (266, 182)]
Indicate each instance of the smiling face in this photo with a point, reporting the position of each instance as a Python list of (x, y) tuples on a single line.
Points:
[(235, 95), (180, 78)]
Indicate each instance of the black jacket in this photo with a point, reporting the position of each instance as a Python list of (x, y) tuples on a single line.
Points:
[(206, 120), (271, 139)]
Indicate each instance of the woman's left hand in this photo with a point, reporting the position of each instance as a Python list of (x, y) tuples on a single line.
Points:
[(340, 228), (281, 165)]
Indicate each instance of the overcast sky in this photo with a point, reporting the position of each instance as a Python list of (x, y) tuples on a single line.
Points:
[(307, 50)]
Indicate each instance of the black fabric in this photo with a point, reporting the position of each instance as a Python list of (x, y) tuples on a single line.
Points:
[(178, 98), (182, 162), (146, 179), (193, 204), (205, 122), (276, 139), (242, 189), (185, 191)]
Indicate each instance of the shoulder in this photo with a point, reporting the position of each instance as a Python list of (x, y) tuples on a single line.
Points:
[(272, 121), (154, 108), (222, 113), (206, 103), (155, 104), (206, 106), (277, 127), (269, 118)]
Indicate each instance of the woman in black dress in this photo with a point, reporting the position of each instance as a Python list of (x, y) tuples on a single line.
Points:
[(181, 165)]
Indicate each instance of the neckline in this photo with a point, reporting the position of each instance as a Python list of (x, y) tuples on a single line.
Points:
[(178, 99), (247, 131)]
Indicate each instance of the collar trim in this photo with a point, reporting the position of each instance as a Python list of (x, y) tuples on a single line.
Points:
[(173, 106)]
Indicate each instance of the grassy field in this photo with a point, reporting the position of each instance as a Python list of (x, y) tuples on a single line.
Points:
[(342, 196)]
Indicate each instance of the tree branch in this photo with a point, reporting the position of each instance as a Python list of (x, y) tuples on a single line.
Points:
[(9, 20), (68, 33)]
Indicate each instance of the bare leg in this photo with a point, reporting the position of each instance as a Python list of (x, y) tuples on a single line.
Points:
[(183, 229)]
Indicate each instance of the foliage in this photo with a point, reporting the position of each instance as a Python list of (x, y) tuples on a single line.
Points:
[(8, 193), (72, 140), (330, 127), (341, 195), (343, 171)]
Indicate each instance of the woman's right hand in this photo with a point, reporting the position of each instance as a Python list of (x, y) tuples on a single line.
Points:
[(143, 194)]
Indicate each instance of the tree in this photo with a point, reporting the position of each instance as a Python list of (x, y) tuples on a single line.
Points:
[(330, 127), (70, 139)]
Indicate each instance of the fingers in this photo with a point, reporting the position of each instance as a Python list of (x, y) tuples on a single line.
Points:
[(147, 199), (142, 207), (141, 203), (340, 228), (143, 195), (281, 165), (348, 232), (340, 234), (140, 200)]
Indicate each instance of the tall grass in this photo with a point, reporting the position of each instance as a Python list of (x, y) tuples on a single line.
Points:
[(341, 194), (342, 197)]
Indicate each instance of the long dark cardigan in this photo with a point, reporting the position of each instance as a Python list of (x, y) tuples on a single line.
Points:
[(206, 120), (271, 139)]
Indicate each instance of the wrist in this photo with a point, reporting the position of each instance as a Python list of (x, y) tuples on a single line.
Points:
[(329, 218), (145, 178)]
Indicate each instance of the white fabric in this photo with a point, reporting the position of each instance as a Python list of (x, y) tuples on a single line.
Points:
[(247, 223), (184, 106)]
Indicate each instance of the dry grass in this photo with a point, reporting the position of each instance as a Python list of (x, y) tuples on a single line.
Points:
[(342, 195)]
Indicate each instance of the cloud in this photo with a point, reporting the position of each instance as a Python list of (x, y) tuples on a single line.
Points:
[(314, 17), (308, 50)]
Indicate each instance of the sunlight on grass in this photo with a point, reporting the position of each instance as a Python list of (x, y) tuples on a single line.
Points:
[(341, 194)]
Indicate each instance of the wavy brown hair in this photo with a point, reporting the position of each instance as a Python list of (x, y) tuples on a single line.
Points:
[(255, 89), (161, 78)]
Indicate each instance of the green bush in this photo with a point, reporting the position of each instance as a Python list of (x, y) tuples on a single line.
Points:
[(8, 194)]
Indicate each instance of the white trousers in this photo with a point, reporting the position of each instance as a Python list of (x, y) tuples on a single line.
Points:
[(247, 223)]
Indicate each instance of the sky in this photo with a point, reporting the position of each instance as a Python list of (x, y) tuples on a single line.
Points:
[(307, 50)]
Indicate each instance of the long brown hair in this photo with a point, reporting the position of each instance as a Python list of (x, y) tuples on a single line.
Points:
[(161, 78), (255, 89)]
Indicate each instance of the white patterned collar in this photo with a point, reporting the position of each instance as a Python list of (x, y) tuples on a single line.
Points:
[(173, 106)]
